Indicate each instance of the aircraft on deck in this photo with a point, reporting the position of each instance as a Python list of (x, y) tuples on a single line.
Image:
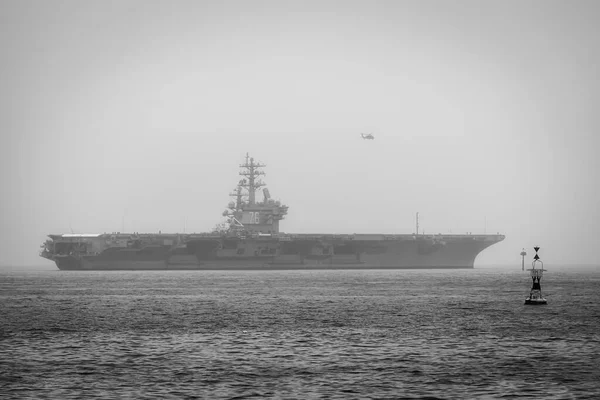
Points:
[(367, 136)]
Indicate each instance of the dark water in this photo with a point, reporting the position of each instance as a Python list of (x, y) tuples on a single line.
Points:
[(298, 334)]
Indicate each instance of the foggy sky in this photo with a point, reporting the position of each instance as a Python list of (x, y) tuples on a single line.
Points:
[(136, 114)]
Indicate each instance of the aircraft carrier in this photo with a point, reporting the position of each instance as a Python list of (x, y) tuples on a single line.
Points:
[(250, 239)]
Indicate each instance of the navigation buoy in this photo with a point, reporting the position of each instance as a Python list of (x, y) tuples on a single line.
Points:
[(535, 295)]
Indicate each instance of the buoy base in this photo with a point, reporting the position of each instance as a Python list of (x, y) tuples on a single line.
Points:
[(535, 302)]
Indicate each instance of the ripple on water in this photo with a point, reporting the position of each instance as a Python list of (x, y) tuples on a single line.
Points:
[(307, 334)]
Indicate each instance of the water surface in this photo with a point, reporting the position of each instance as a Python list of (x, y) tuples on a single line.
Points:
[(446, 334)]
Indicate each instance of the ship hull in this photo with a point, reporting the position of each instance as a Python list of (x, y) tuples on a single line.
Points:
[(306, 253), (125, 266)]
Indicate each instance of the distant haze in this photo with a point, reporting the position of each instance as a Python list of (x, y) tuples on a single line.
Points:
[(135, 115)]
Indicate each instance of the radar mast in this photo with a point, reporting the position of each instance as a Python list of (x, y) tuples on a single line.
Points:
[(251, 171), (248, 214)]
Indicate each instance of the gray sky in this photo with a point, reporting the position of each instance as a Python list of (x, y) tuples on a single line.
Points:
[(485, 115)]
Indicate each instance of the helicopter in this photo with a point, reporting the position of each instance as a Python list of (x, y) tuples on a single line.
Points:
[(367, 136)]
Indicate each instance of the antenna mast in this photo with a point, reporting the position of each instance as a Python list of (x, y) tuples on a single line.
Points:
[(417, 223), (251, 172), (239, 196)]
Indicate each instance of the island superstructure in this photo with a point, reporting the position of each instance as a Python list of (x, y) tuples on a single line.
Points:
[(250, 238)]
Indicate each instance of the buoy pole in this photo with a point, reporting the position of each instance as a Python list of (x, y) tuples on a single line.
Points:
[(523, 254)]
